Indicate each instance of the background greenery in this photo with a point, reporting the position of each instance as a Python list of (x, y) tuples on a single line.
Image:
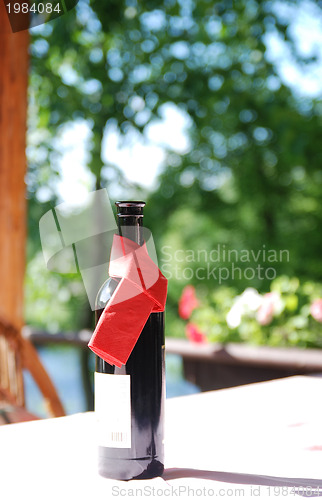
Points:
[(252, 174)]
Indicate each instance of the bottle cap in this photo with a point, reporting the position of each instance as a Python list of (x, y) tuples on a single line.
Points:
[(130, 208)]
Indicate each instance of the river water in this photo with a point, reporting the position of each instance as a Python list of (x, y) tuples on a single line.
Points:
[(63, 365)]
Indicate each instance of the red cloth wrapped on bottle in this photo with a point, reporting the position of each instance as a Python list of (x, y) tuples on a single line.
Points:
[(141, 291)]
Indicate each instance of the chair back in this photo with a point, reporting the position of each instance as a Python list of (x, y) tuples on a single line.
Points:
[(16, 354), (11, 376)]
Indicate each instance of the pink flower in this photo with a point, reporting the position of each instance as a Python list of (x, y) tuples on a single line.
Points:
[(266, 310), (188, 302), (194, 334), (316, 310)]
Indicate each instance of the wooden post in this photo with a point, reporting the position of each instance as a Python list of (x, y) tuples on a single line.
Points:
[(14, 63), (13, 118)]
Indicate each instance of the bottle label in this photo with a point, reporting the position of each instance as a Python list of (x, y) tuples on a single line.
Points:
[(113, 410)]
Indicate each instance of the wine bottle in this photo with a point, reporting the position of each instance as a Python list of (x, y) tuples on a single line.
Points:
[(129, 401)]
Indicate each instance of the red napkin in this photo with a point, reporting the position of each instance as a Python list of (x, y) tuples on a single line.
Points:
[(142, 290)]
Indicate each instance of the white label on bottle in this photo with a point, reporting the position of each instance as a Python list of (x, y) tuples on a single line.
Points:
[(113, 410)]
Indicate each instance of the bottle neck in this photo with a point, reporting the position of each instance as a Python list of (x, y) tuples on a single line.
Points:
[(130, 226), (130, 220)]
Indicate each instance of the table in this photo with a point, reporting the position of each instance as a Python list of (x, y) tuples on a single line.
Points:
[(262, 439)]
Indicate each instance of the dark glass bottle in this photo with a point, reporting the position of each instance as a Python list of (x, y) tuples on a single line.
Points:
[(130, 407)]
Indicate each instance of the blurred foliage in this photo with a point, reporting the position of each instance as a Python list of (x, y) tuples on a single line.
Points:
[(287, 321), (53, 301), (252, 173)]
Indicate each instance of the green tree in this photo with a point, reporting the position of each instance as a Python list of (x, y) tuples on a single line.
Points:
[(252, 174)]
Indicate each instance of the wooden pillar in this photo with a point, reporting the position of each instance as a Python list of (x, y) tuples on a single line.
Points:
[(13, 123), (13, 119)]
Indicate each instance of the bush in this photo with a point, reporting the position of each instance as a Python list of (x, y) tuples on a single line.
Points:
[(289, 315)]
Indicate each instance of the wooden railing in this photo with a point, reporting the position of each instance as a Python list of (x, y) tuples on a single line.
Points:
[(210, 366), (217, 366)]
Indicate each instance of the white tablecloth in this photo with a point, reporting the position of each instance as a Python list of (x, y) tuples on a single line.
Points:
[(262, 440)]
